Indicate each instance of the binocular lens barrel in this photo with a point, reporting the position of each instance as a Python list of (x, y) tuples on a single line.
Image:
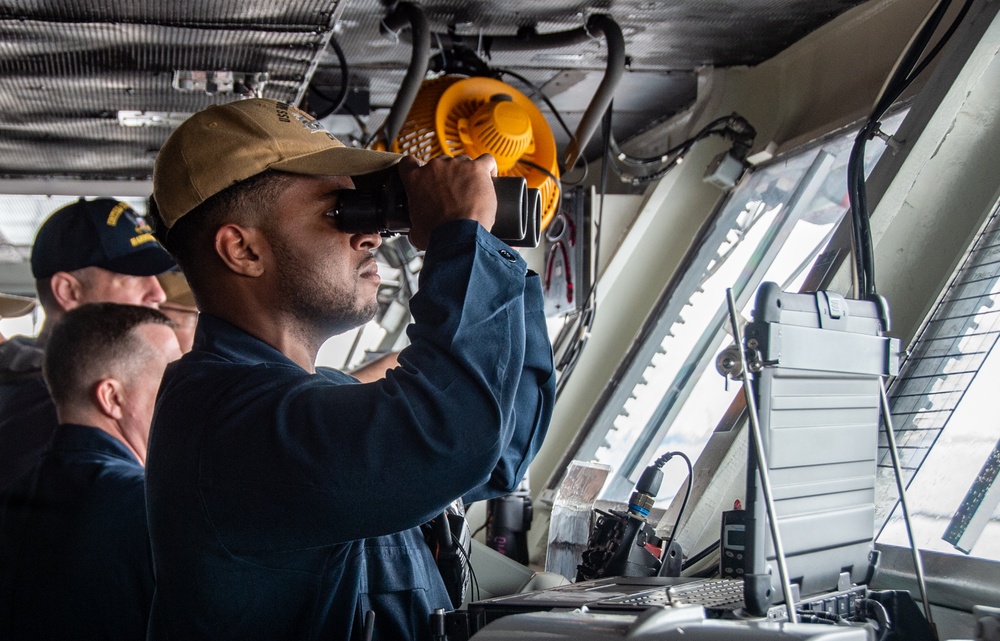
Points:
[(384, 210)]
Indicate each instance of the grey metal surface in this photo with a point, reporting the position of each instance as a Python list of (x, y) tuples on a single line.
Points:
[(657, 623), (820, 441), (953, 580), (68, 66)]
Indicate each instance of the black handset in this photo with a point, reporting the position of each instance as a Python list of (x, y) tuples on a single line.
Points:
[(733, 544)]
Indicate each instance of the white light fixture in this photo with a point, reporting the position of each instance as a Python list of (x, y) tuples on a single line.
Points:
[(558, 57), (243, 83), (151, 118)]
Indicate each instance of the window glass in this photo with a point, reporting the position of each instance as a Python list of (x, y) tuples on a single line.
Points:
[(774, 226), (943, 405)]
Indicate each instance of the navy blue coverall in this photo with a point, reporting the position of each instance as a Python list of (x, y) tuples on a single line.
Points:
[(27, 414), (74, 549), (287, 505)]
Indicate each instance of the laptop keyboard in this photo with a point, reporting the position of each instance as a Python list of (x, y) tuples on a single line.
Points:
[(722, 594), (719, 594)]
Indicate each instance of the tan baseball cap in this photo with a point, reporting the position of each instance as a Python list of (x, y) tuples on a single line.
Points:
[(12, 306), (224, 144)]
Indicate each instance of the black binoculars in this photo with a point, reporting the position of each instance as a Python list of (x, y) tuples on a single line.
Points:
[(381, 207)]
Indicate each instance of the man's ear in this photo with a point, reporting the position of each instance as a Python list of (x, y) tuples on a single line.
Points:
[(241, 248), (109, 396), (67, 290)]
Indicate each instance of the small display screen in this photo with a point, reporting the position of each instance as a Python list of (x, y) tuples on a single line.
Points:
[(735, 537)]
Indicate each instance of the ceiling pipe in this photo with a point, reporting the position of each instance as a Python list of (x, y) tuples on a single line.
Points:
[(605, 92), (407, 13)]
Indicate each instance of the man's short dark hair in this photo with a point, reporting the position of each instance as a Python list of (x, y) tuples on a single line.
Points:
[(192, 237), (240, 203), (92, 342)]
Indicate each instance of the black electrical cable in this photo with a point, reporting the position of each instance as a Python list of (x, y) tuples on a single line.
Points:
[(558, 116), (826, 618), (571, 356), (687, 495), (858, 200), (874, 609), (902, 77), (477, 593), (536, 166), (667, 166), (943, 40), (581, 179), (338, 102), (911, 64), (903, 74), (661, 158), (670, 156), (705, 574), (701, 555), (735, 127)]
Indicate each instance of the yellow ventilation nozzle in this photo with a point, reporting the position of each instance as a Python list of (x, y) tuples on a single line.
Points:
[(454, 115), (500, 127)]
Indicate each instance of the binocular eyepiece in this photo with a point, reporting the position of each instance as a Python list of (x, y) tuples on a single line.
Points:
[(382, 208)]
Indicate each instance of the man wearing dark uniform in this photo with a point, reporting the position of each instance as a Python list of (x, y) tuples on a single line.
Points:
[(285, 500), (89, 251), (74, 547)]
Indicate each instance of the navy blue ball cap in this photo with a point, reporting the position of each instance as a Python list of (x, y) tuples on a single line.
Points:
[(102, 232)]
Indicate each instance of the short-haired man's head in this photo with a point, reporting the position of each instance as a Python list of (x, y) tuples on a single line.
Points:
[(94, 342), (47, 299), (191, 240)]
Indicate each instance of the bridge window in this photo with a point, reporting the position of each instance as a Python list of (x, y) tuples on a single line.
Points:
[(774, 226), (945, 414)]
